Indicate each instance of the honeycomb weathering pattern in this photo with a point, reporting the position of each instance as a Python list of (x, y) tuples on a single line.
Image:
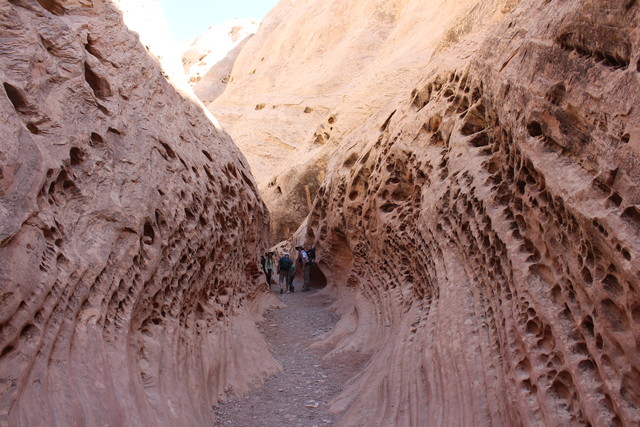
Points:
[(483, 234), (129, 230)]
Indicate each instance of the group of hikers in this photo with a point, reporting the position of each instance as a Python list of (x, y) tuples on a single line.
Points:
[(286, 268)]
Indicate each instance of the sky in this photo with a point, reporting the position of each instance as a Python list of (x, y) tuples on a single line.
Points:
[(189, 18)]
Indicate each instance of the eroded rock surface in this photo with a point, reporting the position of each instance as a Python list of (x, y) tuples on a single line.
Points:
[(316, 70), (129, 230), (482, 233)]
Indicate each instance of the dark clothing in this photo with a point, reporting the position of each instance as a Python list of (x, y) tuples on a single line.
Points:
[(306, 277), (284, 263), (267, 274), (292, 275)]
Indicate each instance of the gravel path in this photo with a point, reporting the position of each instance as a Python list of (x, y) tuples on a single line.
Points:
[(298, 395)]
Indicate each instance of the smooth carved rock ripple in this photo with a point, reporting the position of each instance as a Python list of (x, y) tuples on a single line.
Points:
[(129, 229)]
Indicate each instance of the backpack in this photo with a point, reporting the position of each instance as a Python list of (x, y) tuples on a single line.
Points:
[(311, 253), (285, 263)]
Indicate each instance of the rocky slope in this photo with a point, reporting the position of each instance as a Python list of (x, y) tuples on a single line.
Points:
[(129, 230), (482, 231)]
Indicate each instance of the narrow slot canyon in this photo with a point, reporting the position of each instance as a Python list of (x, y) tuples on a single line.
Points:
[(467, 173)]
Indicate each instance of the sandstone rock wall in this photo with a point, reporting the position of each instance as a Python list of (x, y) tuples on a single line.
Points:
[(213, 46), (129, 230), (482, 232), (317, 69), (214, 81)]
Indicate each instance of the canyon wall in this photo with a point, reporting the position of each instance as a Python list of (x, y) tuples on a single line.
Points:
[(130, 226), (209, 58), (316, 70), (481, 232)]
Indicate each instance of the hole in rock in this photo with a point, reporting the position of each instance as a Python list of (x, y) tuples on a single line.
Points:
[(98, 84), (52, 6), (615, 199), (76, 156), (17, 98), (6, 351), (351, 160), (247, 181), (562, 386), (168, 149), (535, 129), (207, 155), (587, 366), (480, 140), (33, 129), (149, 234), (632, 213), (96, 140), (612, 285)]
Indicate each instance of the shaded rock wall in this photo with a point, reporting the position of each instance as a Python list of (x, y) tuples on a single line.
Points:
[(482, 233), (129, 230)]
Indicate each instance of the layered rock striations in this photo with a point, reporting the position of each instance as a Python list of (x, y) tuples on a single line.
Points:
[(129, 229), (482, 232)]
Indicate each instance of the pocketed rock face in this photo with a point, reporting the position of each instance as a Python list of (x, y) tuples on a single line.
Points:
[(317, 69), (483, 233), (129, 229)]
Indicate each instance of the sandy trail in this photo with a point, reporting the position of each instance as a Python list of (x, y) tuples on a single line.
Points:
[(307, 379)]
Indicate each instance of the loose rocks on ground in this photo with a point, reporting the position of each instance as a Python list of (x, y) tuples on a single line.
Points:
[(298, 395)]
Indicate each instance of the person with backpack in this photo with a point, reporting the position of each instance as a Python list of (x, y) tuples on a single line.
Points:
[(268, 267), (284, 265), (311, 253), (303, 258)]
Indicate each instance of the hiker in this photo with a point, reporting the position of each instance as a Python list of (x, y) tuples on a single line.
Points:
[(303, 259), (284, 265), (292, 275), (268, 267)]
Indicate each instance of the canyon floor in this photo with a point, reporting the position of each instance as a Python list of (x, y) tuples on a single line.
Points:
[(308, 377)]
